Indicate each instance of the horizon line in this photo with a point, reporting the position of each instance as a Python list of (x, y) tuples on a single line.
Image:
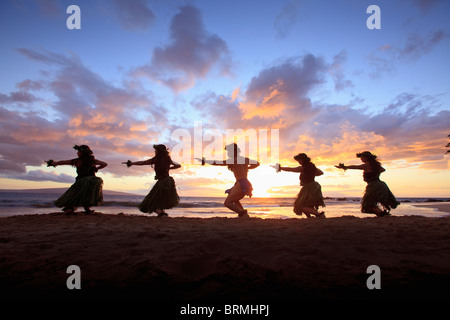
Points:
[(256, 197)]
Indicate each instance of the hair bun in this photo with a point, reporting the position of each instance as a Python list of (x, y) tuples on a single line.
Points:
[(83, 148), (366, 154)]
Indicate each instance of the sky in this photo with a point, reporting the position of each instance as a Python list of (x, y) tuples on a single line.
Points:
[(291, 76)]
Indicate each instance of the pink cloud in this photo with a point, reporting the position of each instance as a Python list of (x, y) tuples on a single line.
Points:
[(281, 97), (86, 109), (283, 89), (121, 122)]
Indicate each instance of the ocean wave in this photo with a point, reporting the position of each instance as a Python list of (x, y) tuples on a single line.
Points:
[(37, 200), (200, 204)]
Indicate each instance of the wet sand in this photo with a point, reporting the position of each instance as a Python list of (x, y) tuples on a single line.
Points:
[(443, 207)]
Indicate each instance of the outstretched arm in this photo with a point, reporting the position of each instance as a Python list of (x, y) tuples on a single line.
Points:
[(293, 169), (358, 167), (212, 162), (138, 163), (51, 163)]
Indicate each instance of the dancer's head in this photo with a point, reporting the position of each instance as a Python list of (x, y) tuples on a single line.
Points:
[(161, 149), (83, 150), (366, 156), (232, 150), (302, 158)]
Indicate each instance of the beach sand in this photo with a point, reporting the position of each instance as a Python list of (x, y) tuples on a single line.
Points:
[(224, 258)]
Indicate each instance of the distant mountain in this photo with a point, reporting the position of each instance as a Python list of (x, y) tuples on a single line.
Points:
[(62, 190)]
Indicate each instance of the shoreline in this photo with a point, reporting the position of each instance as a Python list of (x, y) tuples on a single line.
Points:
[(439, 206), (190, 259), (262, 209)]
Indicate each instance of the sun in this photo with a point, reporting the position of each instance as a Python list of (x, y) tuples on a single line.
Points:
[(263, 179)]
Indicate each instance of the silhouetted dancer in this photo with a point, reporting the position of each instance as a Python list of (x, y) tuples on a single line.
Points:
[(310, 198), (87, 189), (163, 194), (377, 191), (239, 166)]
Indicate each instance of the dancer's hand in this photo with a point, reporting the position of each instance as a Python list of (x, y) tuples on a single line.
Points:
[(128, 163), (50, 163), (341, 166), (202, 160), (277, 167)]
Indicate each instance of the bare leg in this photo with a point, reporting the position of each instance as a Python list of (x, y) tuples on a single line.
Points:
[(379, 212), (239, 205), (87, 210), (308, 215), (69, 210), (311, 211), (161, 213), (243, 213), (232, 201), (232, 206)]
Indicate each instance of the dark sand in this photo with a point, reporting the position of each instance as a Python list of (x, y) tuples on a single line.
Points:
[(219, 258)]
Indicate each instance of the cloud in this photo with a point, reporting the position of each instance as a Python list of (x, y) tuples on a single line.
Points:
[(426, 5), (278, 97), (50, 7), (410, 127), (29, 85), (122, 122), (282, 89), (81, 93), (337, 72), (40, 175), (286, 19), (116, 121), (191, 54), (17, 96), (219, 111), (417, 45), (413, 129), (385, 58), (134, 14)]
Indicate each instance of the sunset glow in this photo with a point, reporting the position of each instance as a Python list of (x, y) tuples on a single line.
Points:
[(312, 70)]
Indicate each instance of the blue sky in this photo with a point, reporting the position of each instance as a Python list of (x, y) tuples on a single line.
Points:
[(137, 70)]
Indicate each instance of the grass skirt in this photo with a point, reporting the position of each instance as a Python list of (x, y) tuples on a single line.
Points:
[(162, 196), (84, 192), (377, 192), (309, 196)]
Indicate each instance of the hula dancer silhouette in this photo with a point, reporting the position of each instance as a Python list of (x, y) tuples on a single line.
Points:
[(87, 189), (163, 195), (377, 191), (310, 198), (239, 166)]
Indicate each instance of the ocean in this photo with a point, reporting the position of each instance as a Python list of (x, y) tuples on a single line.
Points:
[(36, 202)]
